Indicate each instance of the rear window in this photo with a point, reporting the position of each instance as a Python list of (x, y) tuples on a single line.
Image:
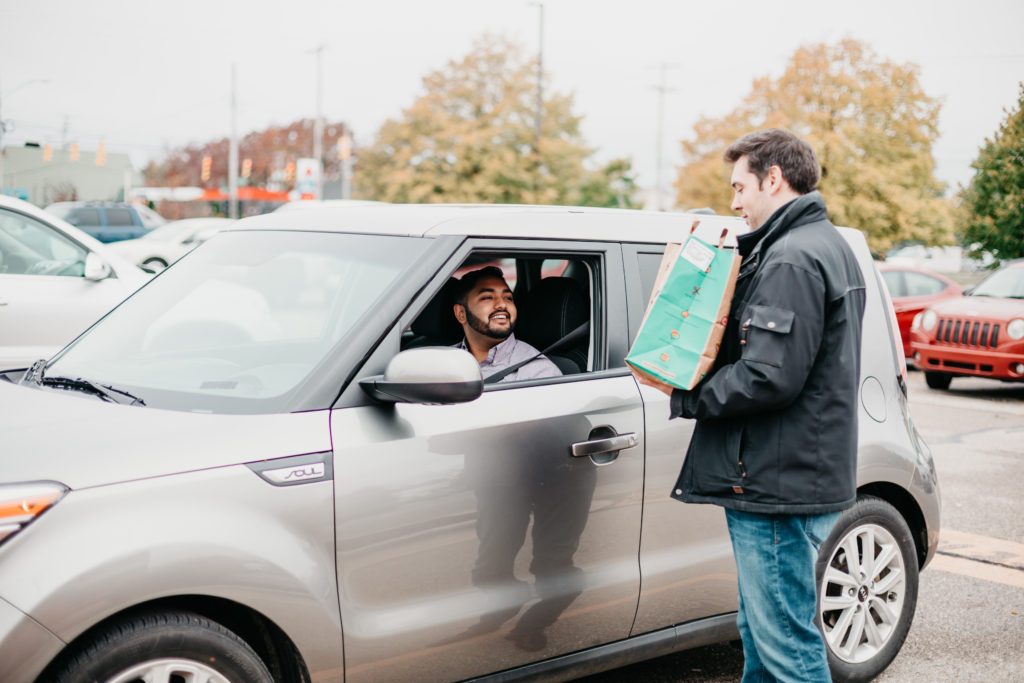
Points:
[(119, 217), (84, 216)]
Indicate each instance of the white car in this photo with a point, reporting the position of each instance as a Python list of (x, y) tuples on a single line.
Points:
[(161, 247), (55, 281)]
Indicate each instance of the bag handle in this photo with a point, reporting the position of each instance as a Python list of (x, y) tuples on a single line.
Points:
[(721, 238)]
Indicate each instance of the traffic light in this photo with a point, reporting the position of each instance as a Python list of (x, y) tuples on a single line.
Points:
[(289, 171), (101, 154), (74, 151), (47, 153), (344, 147), (246, 168), (204, 174)]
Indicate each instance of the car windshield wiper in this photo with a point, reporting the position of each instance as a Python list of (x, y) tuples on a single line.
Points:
[(107, 393)]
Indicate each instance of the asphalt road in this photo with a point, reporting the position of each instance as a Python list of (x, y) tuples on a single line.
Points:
[(969, 624)]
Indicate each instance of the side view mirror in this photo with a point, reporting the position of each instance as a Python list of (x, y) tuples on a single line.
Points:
[(96, 268), (432, 374)]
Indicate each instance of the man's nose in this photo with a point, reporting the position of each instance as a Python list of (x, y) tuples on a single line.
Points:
[(736, 206)]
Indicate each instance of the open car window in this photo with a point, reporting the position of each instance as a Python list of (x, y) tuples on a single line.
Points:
[(554, 297)]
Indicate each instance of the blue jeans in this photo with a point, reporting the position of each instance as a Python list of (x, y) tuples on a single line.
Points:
[(775, 558)]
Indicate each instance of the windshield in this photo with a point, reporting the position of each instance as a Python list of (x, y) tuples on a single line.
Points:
[(240, 322), (1007, 283)]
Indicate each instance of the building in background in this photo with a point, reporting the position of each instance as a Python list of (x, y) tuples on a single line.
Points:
[(43, 174)]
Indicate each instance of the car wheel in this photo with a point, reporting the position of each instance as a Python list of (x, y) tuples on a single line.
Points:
[(154, 264), (937, 380), (161, 648), (867, 579)]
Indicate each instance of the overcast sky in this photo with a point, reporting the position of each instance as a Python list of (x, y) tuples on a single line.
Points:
[(147, 76)]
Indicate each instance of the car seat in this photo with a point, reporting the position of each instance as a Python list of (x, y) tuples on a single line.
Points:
[(552, 309), (436, 324)]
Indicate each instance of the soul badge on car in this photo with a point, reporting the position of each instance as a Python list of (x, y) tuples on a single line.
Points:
[(297, 469)]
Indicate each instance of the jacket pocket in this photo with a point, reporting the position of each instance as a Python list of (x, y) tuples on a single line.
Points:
[(764, 333)]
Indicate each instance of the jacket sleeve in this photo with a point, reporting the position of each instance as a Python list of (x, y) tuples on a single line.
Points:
[(781, 327)]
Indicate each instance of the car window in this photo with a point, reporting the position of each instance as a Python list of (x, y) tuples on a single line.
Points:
[(119, 217), (84, 216), (1008, 283), (894, 282), (553, 297), (649, 264), (29, 247), (149, 217), (919, 284)]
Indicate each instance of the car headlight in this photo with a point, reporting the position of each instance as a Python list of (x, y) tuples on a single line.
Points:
[(1015, 330), (20, 504), (928, 319)]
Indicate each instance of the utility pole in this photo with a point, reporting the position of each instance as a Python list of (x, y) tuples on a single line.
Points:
[(233, 147), (318, 125), (662, 89)]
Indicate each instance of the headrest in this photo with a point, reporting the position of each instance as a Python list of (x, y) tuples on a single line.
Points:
[(437, 321), (552, 309)]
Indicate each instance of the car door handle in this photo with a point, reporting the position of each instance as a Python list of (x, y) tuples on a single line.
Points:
[(618, 442)]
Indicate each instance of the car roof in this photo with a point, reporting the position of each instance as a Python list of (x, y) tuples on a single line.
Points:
[(495, 220)]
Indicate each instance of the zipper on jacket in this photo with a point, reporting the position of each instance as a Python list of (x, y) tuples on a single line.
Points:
[(739, 461)]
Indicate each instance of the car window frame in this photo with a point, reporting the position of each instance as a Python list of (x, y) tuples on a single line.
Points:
[(607, 307)]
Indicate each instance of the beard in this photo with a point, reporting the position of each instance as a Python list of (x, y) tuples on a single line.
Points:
[(485, 328)]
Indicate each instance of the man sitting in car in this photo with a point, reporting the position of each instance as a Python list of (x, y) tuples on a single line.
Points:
[(487, 312)]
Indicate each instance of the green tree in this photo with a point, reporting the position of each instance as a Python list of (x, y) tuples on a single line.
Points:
[(993, 203), (872, 126), (470, 137)]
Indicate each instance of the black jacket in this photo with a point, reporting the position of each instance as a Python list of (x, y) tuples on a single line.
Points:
[(777, 415)]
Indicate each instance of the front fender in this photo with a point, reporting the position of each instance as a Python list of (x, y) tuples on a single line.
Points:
[(222, 532)]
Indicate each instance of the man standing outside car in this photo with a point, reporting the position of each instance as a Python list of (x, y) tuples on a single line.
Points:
[(775, 442)]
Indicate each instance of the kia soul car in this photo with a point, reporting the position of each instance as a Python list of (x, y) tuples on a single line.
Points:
[(273, 463)]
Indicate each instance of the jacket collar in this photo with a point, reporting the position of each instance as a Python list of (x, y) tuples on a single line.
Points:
[(804, 209)]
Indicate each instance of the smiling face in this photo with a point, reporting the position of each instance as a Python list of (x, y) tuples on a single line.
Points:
[(489, 311)]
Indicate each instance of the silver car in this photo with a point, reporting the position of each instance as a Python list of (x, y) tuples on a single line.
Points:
[(271, 464), (55, 281)]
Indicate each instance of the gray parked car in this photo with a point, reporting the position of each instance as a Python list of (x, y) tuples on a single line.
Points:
[(269, 464)]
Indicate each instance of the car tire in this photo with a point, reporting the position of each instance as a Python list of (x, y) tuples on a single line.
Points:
[(866, 606), (154, 264), (937, 380), (164, 646)]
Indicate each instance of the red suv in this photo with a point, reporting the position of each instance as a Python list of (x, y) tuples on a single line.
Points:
[(980, 334)]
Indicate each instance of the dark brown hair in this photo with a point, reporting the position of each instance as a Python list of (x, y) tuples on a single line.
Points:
[(778, 147)]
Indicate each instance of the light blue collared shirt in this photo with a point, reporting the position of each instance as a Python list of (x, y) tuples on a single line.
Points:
[(511, 351)]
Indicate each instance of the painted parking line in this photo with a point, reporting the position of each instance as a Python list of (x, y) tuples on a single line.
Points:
[(980, 557)]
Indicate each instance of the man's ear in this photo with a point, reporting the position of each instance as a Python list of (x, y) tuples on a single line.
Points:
[(460, 313), (776, 182)]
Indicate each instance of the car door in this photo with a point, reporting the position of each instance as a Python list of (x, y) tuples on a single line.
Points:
[(45, 300), (685, 553), (470, 538)]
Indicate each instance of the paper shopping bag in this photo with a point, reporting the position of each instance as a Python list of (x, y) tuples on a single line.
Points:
[(687, 313)]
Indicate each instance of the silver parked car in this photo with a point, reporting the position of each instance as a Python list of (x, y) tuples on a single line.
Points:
[(271, 464), (55, 281)]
